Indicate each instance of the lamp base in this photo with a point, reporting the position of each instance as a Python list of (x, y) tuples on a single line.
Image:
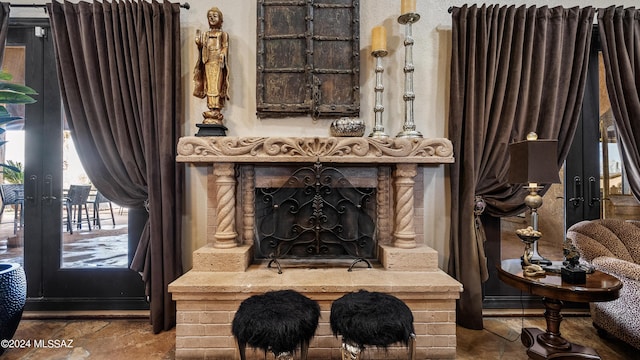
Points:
[(536, 258), (539, 260)]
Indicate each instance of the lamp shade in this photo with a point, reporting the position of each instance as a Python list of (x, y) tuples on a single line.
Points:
[(534, 161)]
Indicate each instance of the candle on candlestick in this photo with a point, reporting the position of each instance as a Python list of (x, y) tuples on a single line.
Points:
[(379, 39), (408, 6)]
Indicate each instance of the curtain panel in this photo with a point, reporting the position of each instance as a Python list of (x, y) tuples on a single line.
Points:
[(119, 69), (4, 27), (620, 39), (514, 70)]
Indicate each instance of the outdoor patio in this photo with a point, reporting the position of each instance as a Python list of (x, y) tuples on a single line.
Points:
[(104, 246)]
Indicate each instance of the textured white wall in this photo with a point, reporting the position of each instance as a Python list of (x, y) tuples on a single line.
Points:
[(431, 53)]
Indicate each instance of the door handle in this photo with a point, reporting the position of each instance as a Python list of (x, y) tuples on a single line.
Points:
[(48, 185), (577, 191), (33, 180), (592, 191)]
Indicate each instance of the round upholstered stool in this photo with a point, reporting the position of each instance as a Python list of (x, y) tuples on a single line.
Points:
[(371, 319), (277, 321)]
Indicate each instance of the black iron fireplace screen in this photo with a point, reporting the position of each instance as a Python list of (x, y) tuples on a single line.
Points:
[(317, 213)]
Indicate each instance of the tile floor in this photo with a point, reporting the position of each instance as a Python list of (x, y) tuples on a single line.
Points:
[(133, 339)]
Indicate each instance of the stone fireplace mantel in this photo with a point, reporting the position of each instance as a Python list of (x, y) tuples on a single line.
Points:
[(224, 272), (311, 149)]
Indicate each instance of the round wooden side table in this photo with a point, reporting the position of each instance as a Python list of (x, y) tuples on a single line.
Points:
[(549, 344)]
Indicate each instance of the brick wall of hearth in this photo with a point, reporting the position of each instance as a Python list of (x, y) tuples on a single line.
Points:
[(205, 313)]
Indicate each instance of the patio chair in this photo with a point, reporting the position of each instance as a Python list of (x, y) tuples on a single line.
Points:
[(13, 194), (97, 201), (74, 203)]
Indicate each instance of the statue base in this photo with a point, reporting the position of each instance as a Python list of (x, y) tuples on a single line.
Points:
[(573, 275), (211, 130)]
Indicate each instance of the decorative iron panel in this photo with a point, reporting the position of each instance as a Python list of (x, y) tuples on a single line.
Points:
[(317, 213), (308, 58)]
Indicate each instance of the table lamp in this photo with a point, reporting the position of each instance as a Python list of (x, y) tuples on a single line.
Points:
[(533, 163)]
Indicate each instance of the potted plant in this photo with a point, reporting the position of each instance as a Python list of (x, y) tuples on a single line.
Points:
[(13, 284)]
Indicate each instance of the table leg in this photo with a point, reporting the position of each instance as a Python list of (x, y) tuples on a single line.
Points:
[(550, 344)]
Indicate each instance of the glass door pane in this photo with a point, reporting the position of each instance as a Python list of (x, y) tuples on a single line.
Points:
[(618, 202), (12, 153), (95, 229)]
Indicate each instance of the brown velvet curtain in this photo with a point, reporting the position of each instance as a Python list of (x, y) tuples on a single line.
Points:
[(4, 27), (620, 40), (119, 69), (513, 70)]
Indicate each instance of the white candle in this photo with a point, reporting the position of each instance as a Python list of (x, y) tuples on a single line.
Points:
[(407, 6), (378, 39)]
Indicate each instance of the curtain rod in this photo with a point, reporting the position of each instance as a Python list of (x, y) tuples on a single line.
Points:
[(184, 6), (453, 7)]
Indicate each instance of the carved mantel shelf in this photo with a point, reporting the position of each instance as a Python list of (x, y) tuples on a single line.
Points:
[(196, 149)]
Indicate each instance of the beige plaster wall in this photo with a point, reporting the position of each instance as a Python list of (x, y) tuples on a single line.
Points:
[(431, 54)]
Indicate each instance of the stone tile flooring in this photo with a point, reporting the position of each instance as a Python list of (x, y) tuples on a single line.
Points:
[(133, 339)]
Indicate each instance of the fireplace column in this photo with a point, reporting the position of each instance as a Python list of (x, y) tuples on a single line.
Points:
[(405, 232), (248, 203), (226, 205)]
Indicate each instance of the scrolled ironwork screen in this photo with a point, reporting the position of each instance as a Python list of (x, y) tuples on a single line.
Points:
[(317, 213)]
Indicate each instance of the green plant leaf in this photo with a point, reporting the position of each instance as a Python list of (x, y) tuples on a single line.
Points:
[(8, 119), (9, 167), (10, 97), (17, 88), (13, 172)]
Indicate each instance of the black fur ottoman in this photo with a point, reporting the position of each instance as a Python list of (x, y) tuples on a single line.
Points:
[(371, 319), (277, 321)]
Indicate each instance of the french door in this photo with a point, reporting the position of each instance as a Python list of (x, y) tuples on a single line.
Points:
[(577, 198), (51, 283), (583, 200)]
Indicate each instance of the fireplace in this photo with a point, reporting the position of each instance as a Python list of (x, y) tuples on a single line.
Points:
[(315, 207)]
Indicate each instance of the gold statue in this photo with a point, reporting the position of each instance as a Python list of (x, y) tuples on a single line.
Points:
[(211, 75)]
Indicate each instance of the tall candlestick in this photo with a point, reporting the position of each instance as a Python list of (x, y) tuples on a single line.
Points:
[(378, 39), (409, 127), (378, 129), (407, 6)]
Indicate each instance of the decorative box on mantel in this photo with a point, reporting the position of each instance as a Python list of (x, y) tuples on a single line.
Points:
[(229, 269)]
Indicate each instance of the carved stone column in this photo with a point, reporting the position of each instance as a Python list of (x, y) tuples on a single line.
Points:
[(248, 203), (226, 205), (383, 204), (405, 232)]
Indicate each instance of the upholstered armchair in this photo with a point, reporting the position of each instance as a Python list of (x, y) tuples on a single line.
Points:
[(613, 246)]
